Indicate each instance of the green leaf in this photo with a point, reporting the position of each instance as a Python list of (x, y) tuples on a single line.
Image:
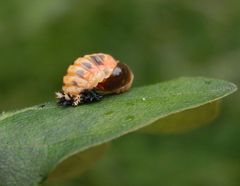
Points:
[(185, 120), (77, 164), (35, 140)]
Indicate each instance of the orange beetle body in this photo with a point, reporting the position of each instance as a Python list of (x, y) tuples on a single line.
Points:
[(92, 76)]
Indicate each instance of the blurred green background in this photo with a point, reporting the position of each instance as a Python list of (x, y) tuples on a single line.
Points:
[(160, 40)]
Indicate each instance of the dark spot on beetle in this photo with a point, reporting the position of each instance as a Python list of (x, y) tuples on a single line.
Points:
[(101, 56), (87, 65), (74, 83), (80, 73), (96, 59)]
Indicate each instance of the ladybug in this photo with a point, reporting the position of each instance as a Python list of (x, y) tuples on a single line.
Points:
[(91, 77)]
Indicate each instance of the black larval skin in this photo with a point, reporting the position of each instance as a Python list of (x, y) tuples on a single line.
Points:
[(87, 96), (63, 102)]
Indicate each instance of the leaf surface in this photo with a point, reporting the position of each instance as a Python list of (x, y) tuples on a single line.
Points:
[(35, 140)]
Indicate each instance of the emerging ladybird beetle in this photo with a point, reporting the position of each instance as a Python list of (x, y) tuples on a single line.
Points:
[(92, 76)]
